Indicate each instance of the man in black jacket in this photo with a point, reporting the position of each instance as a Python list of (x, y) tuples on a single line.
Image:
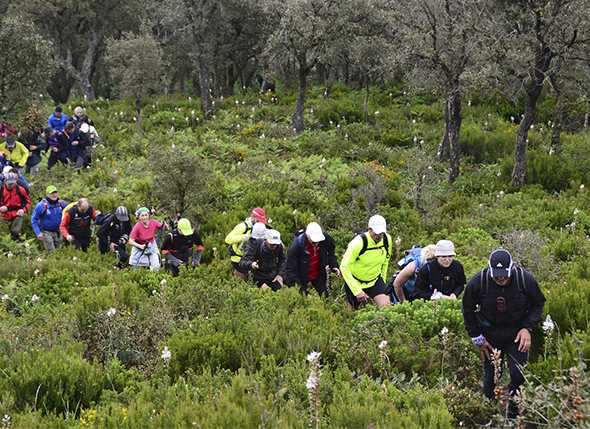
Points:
[(267, 261), (502, 304), (180, 245), (309, 257), (113, 234)]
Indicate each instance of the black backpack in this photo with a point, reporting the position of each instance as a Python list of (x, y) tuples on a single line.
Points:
[(366, 247)]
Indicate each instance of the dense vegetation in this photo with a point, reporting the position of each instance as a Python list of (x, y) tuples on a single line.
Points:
[(83, 345)]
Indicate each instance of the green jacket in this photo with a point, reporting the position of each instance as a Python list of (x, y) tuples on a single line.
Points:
[(362, 272), (236, 239), (18, 155)]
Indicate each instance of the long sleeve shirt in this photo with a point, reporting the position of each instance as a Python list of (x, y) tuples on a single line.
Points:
[(445, 280), (361, 271), (503, 310)]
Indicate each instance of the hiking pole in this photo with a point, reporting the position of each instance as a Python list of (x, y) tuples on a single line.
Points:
[(398, 246), (328, 271)]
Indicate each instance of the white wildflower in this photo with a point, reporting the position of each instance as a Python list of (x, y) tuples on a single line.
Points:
[(34, 298), (111, 312), (163, 283), (166, 354), (313, 356), (548, 325), (383, 345), (5, 297), (312, 382), (444, 331), (582, 186)]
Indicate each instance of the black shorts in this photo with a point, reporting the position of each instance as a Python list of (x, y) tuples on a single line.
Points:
[(239, 269), (379, 288), (275, 286)]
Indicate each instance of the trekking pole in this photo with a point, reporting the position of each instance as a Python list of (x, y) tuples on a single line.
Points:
[(328, 271)]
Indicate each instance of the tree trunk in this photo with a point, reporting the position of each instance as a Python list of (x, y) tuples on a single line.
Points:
[(543, 59), (557, 120), (138, 115), (206, 100), (84, 75), (366, 102), (298, 121), (444, 147), (60, 86), (453, 127)]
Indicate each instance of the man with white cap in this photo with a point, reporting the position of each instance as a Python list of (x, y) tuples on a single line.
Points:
[(442, 278), (502, 305), (364, 265), (309, 259), (267, 261)]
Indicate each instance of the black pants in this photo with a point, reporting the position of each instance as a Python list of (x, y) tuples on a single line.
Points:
[(318, 284), (379, 288), (54, 159), (81, 242), (104, 245), (516, 360)]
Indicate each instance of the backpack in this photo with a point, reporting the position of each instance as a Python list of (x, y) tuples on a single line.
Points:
[(411, 255), (230, 248), (483, 290), (63, 204), (366, 247)]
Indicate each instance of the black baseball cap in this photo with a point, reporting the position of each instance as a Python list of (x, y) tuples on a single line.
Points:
[(500, 263)]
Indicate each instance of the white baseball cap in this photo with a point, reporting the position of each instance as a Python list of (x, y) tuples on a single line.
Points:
[(377, 224), (314, 232), (273, 237), (258, 230)]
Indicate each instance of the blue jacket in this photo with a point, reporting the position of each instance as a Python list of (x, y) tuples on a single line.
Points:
[(57, 124), (47, 215)]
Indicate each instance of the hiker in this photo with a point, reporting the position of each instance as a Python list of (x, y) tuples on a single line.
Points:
[(310, 258), (76, 222), (181, 244), (36, 143), (57, 121), (238, 236), (78, 144), (113, 234), (21, 180), (404, 281), (79, 116), (364, 265), (442, 278), (14, 152), (266, 260), (46, 219), (88, 137), (58, 147), (258, 233), (14, 203), (144, 250), (502, 304)]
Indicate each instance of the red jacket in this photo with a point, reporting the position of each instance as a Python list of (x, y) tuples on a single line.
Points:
[(15, 199)]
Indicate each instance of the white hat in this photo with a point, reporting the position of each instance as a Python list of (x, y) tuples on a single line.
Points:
[(444, 248), (314, 232), (84, 127), (273, 237), (259, 231), (7, 169), (377, 224)]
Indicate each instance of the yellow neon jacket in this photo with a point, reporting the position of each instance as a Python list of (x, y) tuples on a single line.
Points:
[(18, 155), (371, 265), (237, 237)]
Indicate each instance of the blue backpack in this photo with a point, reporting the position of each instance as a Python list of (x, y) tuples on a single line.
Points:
[(411, 255)]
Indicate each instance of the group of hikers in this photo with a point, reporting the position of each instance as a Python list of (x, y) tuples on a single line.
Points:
[(65, 139), (502, 304)]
